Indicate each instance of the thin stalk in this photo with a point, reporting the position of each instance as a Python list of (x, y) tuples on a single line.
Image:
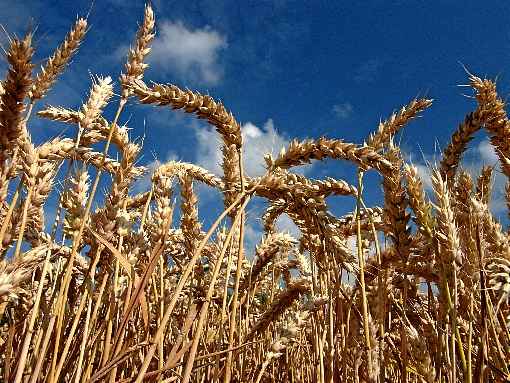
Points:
[(235, 296), (469, 375)]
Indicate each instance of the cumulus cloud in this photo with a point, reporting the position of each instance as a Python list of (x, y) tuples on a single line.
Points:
[(193, 53), (343, 110), (257, 141), (487, 153)]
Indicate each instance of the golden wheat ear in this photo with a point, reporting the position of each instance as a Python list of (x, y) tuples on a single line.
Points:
[(16, 87), (56, 63), (135, 66), (396, 122)]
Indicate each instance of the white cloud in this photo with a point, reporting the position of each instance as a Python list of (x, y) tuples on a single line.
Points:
[(208, 150), (343, 110), (193, 53), (285, 224), (487, 153), (256, 143)]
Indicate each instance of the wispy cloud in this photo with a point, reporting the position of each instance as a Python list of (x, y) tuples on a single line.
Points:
[(368, 71), (193, 53), (343, 110)]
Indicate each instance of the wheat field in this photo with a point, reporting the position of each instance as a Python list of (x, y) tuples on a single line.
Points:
[(115, 288)]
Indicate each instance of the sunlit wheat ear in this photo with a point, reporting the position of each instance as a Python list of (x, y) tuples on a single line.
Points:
[(397, 121), (446, 229), (190, 225), (418, 200), (496, 119), (265, 253), (280, 304), (57, 62), (459, 141), (74, 200), (135, 66), (484, 184), (204, 107), (299, 153), (100, 94)]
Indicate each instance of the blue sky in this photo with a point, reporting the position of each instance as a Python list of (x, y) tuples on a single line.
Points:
[(286, 69)]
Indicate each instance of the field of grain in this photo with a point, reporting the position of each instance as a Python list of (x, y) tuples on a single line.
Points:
[(117, 289)]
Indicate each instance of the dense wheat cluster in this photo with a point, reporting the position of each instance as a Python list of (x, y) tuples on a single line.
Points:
[(119, 290)]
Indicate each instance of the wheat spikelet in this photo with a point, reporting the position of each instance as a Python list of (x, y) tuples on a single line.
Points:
[(265, 252), (190, 225), (74, 200), (499, 279), (497, 241), (483, 184), (101, 92), (97, 131), (496, 119), (198, 173), (395, 199)]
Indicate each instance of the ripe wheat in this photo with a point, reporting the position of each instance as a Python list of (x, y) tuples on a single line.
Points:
[(414, 290)]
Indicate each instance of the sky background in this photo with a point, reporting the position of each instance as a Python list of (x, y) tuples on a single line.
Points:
[(286, 69)]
